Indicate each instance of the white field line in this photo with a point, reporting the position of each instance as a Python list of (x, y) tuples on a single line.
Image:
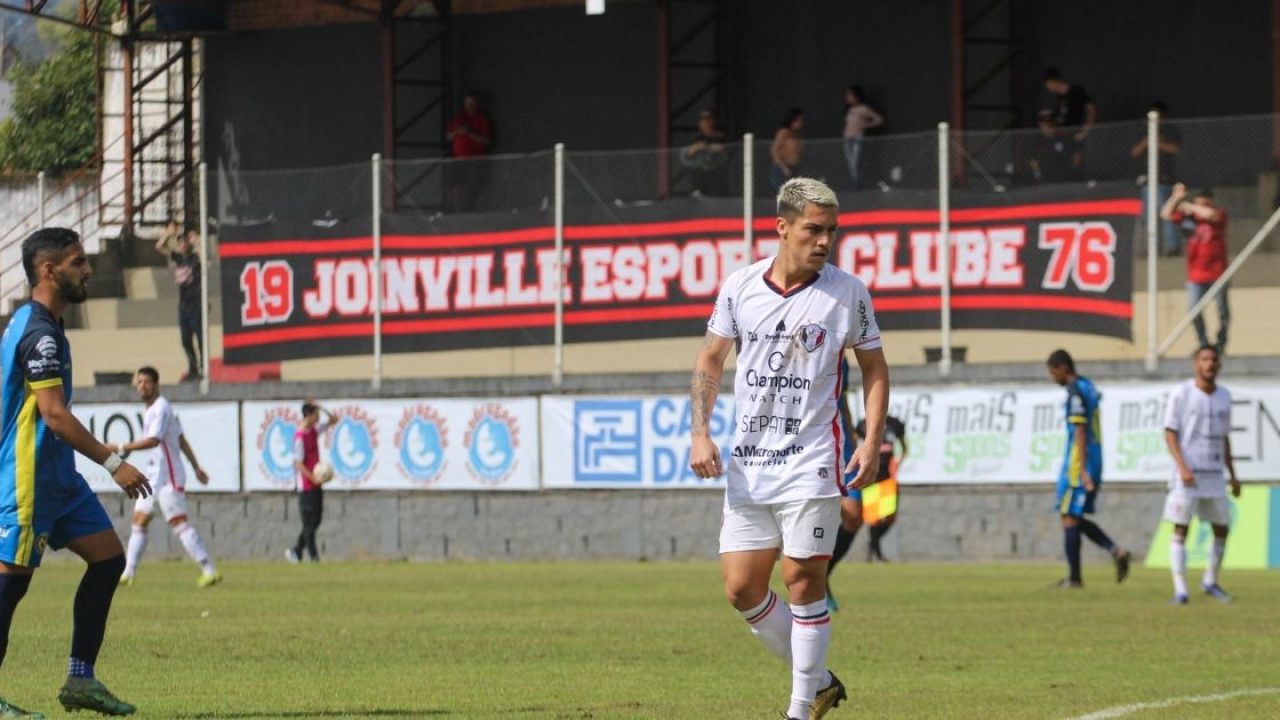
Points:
[(1122, 710)]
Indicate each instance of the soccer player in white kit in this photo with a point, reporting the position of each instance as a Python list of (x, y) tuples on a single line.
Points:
[(791, 318), (162, 435), (1197, 429)]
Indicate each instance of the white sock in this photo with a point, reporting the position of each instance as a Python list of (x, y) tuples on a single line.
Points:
[(810, 637), (771, 622), (195, 549), (1215, 561), (137, 545), (1178, 564)]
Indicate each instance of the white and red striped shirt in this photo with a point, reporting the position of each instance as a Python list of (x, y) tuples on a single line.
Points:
[(788, 439), (164, 462)]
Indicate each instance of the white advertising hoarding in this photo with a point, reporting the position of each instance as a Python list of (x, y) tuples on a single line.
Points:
[(455, 444), (210, 429)]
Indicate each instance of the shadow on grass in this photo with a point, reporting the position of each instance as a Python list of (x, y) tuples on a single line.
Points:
[(267, 715)]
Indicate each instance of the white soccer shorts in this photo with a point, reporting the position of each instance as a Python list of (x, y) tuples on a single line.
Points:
[(803, 529), (1180, 507), (173, 502)]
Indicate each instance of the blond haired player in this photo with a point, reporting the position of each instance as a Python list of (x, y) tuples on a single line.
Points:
[(791, 318)]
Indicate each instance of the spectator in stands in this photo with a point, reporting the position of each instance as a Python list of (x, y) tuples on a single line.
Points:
[(1053, 156), (1169, 142), (858, 118), (1073, 110), (1206, 253), (706, 157), (786, 150), (179, 248), (470, 135)]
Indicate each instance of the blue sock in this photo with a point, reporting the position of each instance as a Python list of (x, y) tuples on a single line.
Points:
[(78, 668), (1071, 542), (12, 588)]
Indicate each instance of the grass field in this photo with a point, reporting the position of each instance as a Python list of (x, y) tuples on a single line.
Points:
[(634, 640)]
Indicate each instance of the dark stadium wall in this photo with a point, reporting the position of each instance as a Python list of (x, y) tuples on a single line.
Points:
[(1201, 58), (803, 54), (559, 75), (293, 98)]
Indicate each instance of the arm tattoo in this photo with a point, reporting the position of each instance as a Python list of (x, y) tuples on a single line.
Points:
[(702, 393)]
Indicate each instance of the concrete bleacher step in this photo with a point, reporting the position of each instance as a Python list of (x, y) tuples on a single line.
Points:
[(119, 313), (149, 283)]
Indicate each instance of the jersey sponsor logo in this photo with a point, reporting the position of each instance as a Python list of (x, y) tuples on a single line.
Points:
[(769, 423), (777, 382), (47, 346), (421, 441), (864, 322), (352, 451), (492, 440), (275, 445), (753, 336), (812, 336), (754, 455)]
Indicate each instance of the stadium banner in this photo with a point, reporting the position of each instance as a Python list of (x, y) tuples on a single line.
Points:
[(626, 442), (302, 290), (210, 429), (1015, 434), (408, 444)]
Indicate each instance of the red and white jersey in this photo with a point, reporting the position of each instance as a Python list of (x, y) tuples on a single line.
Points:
[(1202, 421), (787, 445), (164, 462)]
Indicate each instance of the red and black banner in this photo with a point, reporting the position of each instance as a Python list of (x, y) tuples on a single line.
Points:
[(295, 291)]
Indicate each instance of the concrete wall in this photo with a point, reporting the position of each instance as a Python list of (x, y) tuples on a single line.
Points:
[(981, 523)]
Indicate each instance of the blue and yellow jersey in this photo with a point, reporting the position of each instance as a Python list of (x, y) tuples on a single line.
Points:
[(34, 463), (1083, 407)]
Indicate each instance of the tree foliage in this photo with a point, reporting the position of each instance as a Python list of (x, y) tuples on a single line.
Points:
[(54, 122)]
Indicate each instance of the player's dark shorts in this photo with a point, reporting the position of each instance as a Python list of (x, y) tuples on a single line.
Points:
[(1075, 500), (58, 518)]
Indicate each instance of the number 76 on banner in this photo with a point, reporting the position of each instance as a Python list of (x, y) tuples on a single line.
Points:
[(1083, 252)]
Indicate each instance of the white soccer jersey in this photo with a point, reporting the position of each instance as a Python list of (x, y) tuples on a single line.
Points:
[(164, 462), (787, 445), (1202, 421)]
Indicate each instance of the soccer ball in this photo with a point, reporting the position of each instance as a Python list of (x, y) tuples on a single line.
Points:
[(322, 472)]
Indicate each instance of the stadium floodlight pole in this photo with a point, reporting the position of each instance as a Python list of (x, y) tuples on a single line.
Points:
[(748, 194), (376, 169), (944, 242), (557, 372), (1220, 284), (1153, 209), (202, 178), (40, 193)]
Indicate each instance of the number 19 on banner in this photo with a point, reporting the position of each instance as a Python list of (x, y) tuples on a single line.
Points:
[(268, 293)]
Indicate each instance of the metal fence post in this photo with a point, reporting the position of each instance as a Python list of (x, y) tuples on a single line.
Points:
[(748, 195), (376, 169), (557, 372), (205, 363), (944, 243), (40, 195), (1153, 183)]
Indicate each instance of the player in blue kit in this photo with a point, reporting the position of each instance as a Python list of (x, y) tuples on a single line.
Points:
[(1081, 476), (44, 502)]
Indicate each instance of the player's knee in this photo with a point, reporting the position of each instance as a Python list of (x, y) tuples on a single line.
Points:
[(180, 526), (109, 569), (742, 596)]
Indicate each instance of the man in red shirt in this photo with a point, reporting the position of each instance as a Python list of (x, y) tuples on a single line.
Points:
[(1206, 253), (469, 135)]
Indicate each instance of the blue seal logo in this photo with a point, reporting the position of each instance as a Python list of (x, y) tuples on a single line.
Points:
[(492, 439), (422, 438), (353, 445), (275, 446)]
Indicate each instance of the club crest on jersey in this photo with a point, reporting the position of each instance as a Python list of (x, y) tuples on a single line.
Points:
[(812, 336), (421, 441)]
